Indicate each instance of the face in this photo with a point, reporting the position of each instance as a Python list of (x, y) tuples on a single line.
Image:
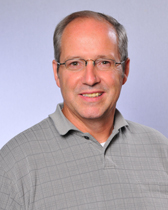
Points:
[(89, 94)]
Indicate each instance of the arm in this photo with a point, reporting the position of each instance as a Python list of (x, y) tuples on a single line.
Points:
[(9, 199)]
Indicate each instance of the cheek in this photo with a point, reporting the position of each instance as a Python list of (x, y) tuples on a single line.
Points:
[(113, 79), (69, 81), (74, 79)]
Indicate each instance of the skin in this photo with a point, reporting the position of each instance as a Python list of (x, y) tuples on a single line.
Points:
[(90, 39)]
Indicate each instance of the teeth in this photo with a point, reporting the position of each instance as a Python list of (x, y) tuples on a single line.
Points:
[(92, 95)]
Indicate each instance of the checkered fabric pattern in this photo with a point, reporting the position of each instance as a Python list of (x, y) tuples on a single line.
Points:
[(54, 166)]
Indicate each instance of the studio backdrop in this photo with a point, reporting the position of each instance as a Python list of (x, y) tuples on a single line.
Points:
[(28, 92)]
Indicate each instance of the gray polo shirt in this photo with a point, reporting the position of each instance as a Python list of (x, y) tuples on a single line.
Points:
[(53, 165)]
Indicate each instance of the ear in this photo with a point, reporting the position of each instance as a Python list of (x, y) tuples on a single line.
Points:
[(56, 74), (126, 73)]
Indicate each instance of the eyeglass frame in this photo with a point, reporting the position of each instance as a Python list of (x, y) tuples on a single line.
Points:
[(86, 62)]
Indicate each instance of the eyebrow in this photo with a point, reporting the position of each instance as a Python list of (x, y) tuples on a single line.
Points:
[(105, 56), (97, 57)]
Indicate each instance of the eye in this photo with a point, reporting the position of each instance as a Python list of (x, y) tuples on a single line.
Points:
[(105, 62), (74, 63)]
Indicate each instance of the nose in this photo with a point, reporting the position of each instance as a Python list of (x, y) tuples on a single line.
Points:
[(90, 76)]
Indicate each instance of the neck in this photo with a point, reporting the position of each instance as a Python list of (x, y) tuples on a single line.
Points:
[(100, 129)]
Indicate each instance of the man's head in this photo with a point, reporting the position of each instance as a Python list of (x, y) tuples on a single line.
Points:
[(90, 91), (120, 32)]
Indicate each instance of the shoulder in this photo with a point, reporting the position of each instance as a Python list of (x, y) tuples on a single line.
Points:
[(27, 143), (139, 128), (21, 156), (146, 133)]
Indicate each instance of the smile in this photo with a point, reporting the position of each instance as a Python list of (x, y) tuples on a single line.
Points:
[(91, 95)]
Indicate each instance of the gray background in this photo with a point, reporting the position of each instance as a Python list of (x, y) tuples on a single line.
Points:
[(28, 92)]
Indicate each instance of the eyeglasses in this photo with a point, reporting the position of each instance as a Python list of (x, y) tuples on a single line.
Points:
[(78, 64)]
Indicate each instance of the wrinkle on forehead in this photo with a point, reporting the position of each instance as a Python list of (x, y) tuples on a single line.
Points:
[(73, 25), (86, 31)]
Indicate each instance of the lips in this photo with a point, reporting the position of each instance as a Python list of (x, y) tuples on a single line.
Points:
[(92, 95)]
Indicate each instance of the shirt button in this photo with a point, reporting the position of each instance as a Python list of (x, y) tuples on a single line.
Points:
[(86, 137)]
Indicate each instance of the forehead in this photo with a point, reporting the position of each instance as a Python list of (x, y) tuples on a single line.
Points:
[(86, 35), (85, 25)]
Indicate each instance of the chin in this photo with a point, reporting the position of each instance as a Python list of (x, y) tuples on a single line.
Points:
[(91, 115)]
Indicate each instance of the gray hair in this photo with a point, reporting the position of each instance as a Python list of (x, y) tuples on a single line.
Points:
[(120, 30)]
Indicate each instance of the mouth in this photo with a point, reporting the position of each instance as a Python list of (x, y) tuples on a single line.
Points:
[(91, 95)]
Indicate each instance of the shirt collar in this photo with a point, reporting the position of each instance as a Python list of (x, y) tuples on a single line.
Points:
[(119, 120), (63, 125)]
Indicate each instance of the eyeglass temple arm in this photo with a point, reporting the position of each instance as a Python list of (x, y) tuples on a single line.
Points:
[(60, 63), (120, 62)]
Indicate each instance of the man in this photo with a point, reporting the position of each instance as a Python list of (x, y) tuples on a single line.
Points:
[(86, 155)]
